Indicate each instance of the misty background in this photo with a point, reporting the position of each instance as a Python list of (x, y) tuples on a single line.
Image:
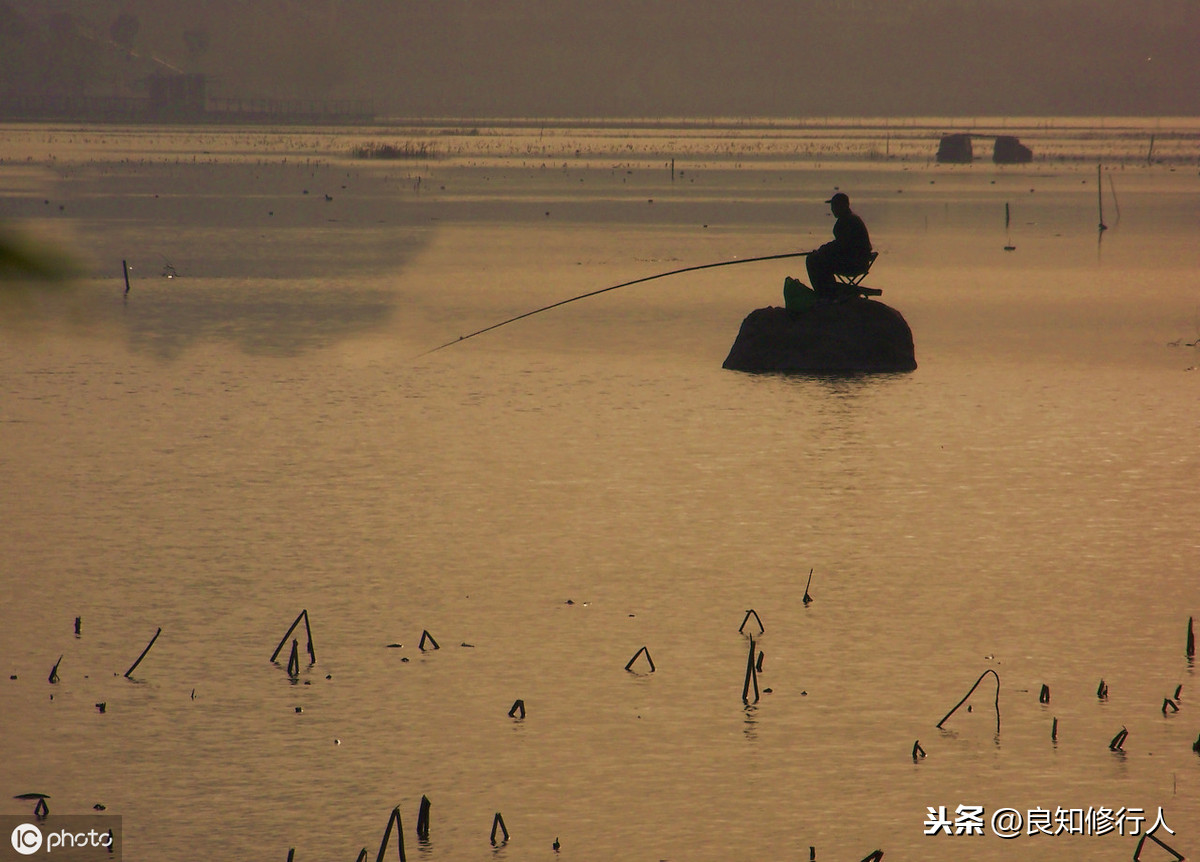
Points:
[(627, 58)]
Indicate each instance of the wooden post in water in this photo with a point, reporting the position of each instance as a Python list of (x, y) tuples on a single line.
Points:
[(423, 819), (751, 677), (312, 653), (498, 823), (746, 619), (426, 636), (393, 821), (133, 666), (629, 664), (972, 691)]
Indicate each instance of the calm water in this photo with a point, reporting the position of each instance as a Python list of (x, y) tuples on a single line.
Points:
[(261, 434)]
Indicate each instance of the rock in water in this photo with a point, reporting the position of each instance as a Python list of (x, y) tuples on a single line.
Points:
[(858, 335)]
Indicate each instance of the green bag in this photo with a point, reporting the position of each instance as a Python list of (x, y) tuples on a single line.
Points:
[(798, 296)]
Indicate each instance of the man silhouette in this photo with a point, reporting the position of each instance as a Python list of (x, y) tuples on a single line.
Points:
[(849, 252)]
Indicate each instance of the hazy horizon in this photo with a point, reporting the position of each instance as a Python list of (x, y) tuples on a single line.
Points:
[(645, 58)]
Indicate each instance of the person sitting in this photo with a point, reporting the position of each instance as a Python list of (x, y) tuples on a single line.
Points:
[(849, 253)]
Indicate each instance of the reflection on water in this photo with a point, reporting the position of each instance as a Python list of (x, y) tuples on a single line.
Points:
[(242, 444)]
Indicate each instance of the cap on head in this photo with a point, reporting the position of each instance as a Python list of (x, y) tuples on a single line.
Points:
[(839, 198)]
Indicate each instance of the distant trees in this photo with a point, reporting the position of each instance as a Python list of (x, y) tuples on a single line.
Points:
[(124, 30), (196, 42)]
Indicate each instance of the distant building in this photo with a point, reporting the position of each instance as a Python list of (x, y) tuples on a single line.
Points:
[(1010, 151), (955, 148)]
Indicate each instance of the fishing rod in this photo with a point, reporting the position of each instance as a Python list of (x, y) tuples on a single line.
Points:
[(462, 338)]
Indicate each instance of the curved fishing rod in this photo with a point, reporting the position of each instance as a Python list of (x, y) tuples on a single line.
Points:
[(462, 338)]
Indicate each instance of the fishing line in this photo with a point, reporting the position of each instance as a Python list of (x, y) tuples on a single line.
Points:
[(463, 338)]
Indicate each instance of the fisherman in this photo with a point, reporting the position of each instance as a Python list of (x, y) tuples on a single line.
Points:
[(849, 253)]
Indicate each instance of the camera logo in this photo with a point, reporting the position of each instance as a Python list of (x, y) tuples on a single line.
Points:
[(27, 839)]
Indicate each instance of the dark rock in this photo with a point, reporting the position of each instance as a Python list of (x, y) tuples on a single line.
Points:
[(955, 148), (1010, 151), (857, 335)]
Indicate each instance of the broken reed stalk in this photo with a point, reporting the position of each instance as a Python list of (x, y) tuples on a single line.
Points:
[(53, 678), (518, 706), (807, 598), (393, 821), (1054, 730), (133, 666), (751, 677), (423, 819), (1167, 702), (291, 854), (1044, 696), (498, 823), (874, 857), (972, 691), (426, 636), (635, 658), (1119, 740), (1102, 690), (362, 855), (1137, 853), (125, 269), (293, 667), (746, 619), (1191, 640), (312, 653), (917, 751)]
